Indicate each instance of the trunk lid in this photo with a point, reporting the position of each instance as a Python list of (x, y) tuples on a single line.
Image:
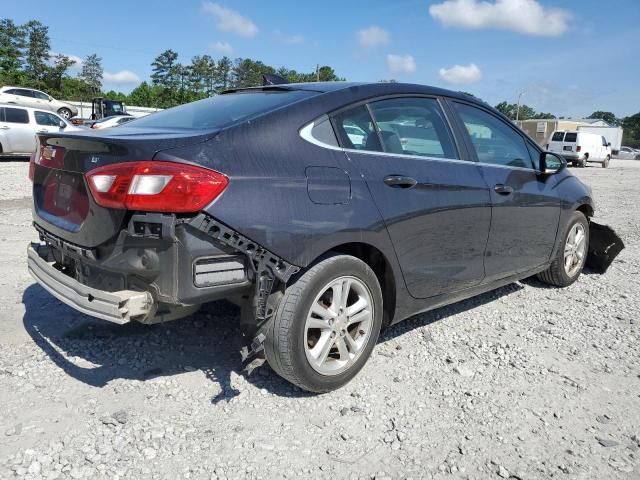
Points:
[(62, 201)]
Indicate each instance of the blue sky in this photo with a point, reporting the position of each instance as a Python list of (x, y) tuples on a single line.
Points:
[(571, 57)]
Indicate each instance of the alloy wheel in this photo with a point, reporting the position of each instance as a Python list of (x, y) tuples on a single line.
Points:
[(575, 249), (338, 325)]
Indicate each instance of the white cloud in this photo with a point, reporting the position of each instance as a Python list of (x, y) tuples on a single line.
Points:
[(373, 37), (221, 47), (289, 39), (461, 75), (523, 16), (230, 21), (399, 64), (121, 77)]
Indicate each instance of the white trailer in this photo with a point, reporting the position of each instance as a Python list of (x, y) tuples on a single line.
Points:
[(612, 134)]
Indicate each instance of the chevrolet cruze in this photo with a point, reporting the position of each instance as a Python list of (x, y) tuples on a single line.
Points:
[(262, 196)]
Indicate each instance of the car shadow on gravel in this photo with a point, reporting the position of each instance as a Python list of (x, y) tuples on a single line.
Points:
[(432, 316), (97, 352)]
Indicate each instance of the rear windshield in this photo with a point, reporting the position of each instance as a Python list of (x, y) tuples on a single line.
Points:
[(557, 137), (221, 110), (571, 137)]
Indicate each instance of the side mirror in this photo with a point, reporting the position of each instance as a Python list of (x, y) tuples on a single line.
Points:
[(50, 99), (609, 144), (62, 124), (551, 163)]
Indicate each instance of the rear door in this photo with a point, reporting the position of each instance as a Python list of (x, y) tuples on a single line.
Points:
[(18, 132), (525, 207), (435, 205)]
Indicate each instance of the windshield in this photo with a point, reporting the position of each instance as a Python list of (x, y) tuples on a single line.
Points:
[(222, 110)]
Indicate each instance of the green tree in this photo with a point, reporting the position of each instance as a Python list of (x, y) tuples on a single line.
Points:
[(167, 74), (37, 52), (223, 74), (12, 43), (57, 72), (202, 75), (248, 72), (631, 131), (608, 117), (525, 112), (145, 95), (92, 73)]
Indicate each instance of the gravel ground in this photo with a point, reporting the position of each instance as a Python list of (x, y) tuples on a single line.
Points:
[(523, 382)]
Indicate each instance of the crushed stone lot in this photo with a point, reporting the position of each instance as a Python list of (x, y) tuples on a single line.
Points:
[(525, 382)]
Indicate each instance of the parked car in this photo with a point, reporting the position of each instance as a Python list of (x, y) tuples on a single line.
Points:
[(628, 153), (260, 196), (581, 147), (112, 121), (29, 97), (19, 126)]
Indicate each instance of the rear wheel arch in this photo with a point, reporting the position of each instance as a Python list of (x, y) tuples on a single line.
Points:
[(378, 262)]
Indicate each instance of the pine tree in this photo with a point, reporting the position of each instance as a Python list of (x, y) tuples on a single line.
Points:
[(37, 51), (92, 73)]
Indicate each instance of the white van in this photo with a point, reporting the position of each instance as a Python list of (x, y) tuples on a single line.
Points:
[(19, 126), (580, 147)]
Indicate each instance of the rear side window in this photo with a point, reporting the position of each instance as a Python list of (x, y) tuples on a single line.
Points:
[(16, 115), (413, 126), (47, 119), (355, 129), (557, 137), (222, 110), (24, 93), (571, 137)]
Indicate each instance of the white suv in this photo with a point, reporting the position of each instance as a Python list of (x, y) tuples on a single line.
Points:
[(19, 126), (581, 147), (28, 97)]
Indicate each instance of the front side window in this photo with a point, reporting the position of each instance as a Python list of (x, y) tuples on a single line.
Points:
[(355, 129), (16, 115), (604, 142), (494, 141), (413, 126), (47, 119), (41, 96)]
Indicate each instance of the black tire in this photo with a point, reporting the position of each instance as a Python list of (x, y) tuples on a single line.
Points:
[(605, 164), (582, 163), (556, 274), (65, 113), (284, 343)]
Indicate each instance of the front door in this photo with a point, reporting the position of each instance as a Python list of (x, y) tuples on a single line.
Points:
[(436, 207), (525, 207)]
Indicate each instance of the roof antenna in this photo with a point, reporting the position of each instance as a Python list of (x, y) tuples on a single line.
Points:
[(273, 79)]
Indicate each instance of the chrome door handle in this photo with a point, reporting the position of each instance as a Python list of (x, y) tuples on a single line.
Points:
[(398, 181), (503, 189)]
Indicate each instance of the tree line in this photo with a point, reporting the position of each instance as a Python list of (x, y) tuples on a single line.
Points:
[(26, 60)]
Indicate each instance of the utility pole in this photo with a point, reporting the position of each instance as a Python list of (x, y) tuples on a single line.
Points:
[(518, 108), (317, 72)]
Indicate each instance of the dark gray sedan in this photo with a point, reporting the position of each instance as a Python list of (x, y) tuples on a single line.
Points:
[(262, 196)]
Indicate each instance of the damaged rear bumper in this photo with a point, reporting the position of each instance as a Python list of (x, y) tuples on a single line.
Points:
[(118, 307)]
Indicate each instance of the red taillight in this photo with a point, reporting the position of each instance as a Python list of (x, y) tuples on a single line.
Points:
[(32, 166), (578, 148), (155, 186)]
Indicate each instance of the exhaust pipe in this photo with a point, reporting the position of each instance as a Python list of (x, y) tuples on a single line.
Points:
[(604, 247)]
